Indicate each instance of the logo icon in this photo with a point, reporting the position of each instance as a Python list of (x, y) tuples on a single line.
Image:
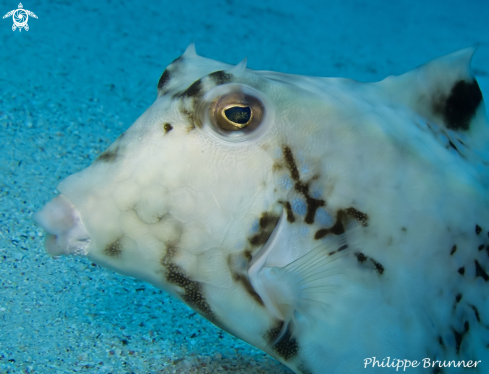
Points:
[(20, 17)]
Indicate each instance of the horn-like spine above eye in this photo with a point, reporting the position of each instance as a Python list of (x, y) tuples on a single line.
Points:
[(239, 69), (190, 51)]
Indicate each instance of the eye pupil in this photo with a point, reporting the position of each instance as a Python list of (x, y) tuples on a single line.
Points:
[(239, 115)]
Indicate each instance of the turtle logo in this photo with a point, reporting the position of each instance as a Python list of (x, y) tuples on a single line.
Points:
[(20, 17)]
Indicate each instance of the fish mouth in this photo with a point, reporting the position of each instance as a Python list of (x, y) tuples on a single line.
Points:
[(65, 232)]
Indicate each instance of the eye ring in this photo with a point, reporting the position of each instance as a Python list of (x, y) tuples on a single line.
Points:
[(235, 113)]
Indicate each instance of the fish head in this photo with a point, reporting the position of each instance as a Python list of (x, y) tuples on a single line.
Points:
[(205, 173)]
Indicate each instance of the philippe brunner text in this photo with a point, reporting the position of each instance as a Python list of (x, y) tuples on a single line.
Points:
[(424, 363)]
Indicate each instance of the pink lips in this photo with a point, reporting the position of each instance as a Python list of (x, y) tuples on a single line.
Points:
[(65, 231)]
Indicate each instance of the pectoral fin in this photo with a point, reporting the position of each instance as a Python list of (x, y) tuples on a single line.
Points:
[(296, 290)]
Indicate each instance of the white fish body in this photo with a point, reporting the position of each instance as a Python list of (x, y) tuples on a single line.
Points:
[(322, 220)]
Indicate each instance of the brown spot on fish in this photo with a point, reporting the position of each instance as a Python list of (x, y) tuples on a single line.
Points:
[(359, 216), (312, 203), (114, 249), (480, 272), (277, 166), (458, 298), (378, 266), (108, 156), (341, 219), (192, 290), (337, 229), (289, 159), (167, 127), (312, 206), (220, 77), (460, 106), (282, 342), (476, 311), (238, 264), (245, 281), (454, 249), (191, 118), (451, 145), (193, 91), (266, 225), (361, 257), (288, 211), (459, 336), (247, 254), (440, 341), (164, 80), (478, 229)]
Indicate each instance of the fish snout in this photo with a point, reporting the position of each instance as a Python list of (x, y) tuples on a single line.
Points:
[(65, 233)]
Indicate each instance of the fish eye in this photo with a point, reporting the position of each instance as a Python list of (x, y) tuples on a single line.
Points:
[(235, 112), (238, 116)]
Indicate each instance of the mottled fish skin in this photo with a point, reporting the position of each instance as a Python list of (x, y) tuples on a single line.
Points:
[(346, 220)]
